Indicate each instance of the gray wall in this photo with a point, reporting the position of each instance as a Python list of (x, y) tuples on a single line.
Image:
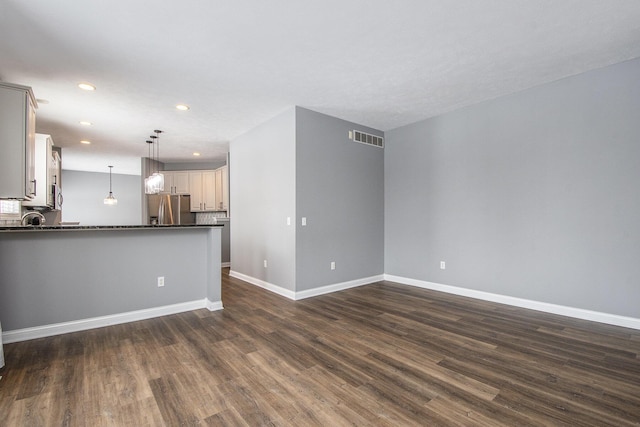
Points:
[(262, 196), (534, 195), (84, 193), (340, 190), (51, 277)]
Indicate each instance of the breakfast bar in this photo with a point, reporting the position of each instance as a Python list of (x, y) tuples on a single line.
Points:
[(60, 279)]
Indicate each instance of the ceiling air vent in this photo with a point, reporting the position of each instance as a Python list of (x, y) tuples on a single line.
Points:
[(366, 138)]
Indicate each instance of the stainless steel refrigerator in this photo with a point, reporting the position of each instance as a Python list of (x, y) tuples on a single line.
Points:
[(170, 209)]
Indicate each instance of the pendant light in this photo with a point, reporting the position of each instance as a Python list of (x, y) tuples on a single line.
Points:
[(155, 182), (110, 199), (158, 178), (148, 182)]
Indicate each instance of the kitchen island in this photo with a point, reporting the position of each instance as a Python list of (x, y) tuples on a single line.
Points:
[(58, 279)]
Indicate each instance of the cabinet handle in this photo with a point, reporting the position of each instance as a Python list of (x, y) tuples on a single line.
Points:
[(35, 188)]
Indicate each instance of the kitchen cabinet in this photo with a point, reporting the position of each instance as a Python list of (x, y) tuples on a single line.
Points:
[(176, 182), (55, 178), (202, 187), (222, 189), (55, 172), (17, 142), (43, 172)]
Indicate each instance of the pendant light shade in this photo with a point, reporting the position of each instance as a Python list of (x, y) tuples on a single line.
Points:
[(110, 199)]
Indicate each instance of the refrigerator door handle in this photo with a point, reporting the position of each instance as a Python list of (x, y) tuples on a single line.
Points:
[(161, 211)]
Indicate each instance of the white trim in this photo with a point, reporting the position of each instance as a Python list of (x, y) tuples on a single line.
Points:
[(309, 292), (264, 285), (337, 287), (578, 313), (225, 264), (98, 322), (213, 305)]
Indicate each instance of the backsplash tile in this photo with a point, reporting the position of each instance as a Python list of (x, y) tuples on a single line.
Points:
[(209, 217)]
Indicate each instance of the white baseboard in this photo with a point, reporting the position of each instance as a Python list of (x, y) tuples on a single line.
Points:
[(264, 285), (337, 287), (578, 313), (225, 264), (213, 305), (112, 319), (308, 293)]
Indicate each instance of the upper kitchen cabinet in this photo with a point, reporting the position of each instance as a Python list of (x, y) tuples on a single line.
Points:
[(44, 172), (202, 187), (17, 142), (176, 182), (222, 189)]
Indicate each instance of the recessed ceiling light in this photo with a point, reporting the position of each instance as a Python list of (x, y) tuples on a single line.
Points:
[(196, 154), (86, 86), (182, 107), (84, 141), (85, 123)]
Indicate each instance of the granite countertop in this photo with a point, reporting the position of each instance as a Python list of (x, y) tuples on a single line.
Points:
[(32, 228)]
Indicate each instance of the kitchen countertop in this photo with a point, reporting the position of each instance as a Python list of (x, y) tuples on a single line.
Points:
[(34, 228)]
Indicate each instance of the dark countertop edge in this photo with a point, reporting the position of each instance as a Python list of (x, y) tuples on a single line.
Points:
[(101, 227)]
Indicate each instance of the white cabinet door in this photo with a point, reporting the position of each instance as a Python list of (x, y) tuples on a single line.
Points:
[(17, 142), (222, 189), (218, 189), (176, 182), (43, 161), (209, 190), (195, 189), (30, 148), (225, 188), (202, 187), (181, 182)]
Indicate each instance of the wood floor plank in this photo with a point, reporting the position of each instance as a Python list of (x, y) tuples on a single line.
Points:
[(378, 355), (228, 417), (175, 409)]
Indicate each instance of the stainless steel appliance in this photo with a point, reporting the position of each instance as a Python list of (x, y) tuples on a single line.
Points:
[(170, 209)]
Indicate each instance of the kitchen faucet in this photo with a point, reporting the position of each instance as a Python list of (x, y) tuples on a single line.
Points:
[(39, 221)]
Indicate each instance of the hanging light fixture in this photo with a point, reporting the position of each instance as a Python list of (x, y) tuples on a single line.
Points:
[(155, 182), (148, 182), (110, 199), (158, 178)]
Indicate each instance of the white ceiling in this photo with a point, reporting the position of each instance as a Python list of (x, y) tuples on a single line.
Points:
[(238, 63)]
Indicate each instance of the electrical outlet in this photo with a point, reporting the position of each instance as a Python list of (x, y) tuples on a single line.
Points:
[(288, 220), (265, 263), (442, 265), (333, 265), (160, 281), (304, 221)]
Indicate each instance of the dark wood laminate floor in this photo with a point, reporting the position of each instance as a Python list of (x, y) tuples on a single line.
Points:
[(383, 355)]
